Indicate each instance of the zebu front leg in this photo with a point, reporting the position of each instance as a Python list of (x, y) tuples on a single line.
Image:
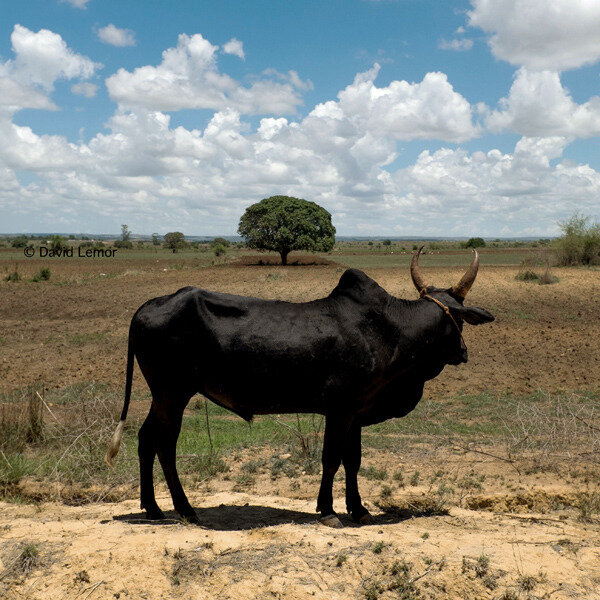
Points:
[(333, 445), (351, 459)]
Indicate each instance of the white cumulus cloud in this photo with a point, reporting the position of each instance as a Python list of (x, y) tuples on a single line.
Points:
[(548, 34), (84, 89), (188, 77), (116, 37), (538, 105), (431, 109), (459, 45), (40, 59), (77, 3), (234, 47)]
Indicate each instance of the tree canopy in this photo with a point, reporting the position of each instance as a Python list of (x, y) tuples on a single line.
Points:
[(174, 240), (284, 224), (475, 242)]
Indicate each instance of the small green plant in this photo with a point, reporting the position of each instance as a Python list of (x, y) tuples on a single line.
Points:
[(386, 492), (244, 480), (43, 275), (527, 275), (527, 583), (83, 577), (28, 559), (482, 565), (209, 465), (373, 473), (13, 275), (399, 477), (416, 477), (378, 548), (341, 559), (372, 590)]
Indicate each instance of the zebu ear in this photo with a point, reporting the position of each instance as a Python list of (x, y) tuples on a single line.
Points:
[(473, 315)]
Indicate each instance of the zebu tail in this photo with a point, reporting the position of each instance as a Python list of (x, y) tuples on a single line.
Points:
[(115, 441)]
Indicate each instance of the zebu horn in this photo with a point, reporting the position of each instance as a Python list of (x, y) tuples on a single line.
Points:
[(416, 274), (462, 288)]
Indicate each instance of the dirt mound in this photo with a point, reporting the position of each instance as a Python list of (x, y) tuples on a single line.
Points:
[(534, 501), (269, 260)]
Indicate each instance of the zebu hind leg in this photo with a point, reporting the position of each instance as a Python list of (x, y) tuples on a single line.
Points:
[(147, 453), (169, 417)]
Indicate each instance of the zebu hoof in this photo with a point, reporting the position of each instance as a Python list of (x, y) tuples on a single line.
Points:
[(191, 518), (363, 517), (366, 519), (155, 514), (331, 521)]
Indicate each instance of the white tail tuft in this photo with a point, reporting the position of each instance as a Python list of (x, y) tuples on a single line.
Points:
[(115, 443)]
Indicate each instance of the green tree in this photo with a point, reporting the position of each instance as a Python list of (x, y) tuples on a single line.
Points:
[(155, 239), (222, 241), (20, 241), (284, 224), (125, 233), (175, 241), (580, 241), (387, 242), (57, 242), (475, 242)]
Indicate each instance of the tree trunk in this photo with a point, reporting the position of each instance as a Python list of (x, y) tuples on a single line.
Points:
[(284, 255)]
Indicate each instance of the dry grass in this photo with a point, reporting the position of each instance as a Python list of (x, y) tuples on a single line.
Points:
[(60, 444)]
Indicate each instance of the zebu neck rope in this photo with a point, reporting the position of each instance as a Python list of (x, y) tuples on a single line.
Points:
[(423, 293)]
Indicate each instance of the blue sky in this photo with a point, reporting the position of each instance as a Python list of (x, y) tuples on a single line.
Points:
[(406, 117)]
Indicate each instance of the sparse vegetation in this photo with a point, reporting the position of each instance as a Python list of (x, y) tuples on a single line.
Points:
[(13, 275), (42, 275), (580, 242)]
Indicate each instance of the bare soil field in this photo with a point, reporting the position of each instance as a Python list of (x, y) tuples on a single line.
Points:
[(454, 519), (74, 327)]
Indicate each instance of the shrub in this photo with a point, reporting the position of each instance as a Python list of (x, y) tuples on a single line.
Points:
[(43, 275), (527, 275), (219, 249), (222, 241), (57, 243), (20, 241), (580, 242), (125, 244), (547, 278)]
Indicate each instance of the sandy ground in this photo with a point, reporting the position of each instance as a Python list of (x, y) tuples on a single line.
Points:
[(258, 546)]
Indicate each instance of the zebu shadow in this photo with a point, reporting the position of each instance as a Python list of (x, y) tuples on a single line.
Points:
[(243, 518), (228, 517)]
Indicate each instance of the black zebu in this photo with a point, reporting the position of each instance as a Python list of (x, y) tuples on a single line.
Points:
[(359, 356)]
